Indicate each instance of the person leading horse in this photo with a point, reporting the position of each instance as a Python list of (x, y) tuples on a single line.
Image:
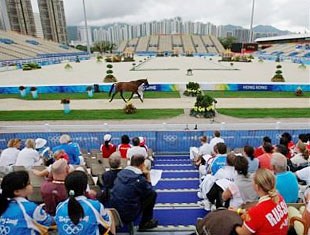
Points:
[(133, 86)]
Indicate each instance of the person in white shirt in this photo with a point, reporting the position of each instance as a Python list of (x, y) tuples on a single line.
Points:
[(216, 139), (304, 174), (9, 155), (136, 149), (204, 149), (28, 156)]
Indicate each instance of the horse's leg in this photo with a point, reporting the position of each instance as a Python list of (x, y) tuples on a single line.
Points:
[(131, 96), (121, 92), (139, 96), (113, 96)]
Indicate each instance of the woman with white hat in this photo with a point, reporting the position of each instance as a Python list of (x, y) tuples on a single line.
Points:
[(107, 148), (44, 151)]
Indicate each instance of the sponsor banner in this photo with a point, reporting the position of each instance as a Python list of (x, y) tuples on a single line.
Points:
[(159, 141), (160, 87)]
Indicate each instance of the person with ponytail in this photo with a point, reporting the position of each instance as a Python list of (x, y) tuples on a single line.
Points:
[(270, 214), (107, 148), (79, 215), (17, 214)]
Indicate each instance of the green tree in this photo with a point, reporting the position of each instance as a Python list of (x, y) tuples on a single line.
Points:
[(103, 46), (228, 41), (81, 47)]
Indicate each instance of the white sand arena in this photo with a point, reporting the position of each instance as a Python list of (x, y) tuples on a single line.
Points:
[(157, 70)]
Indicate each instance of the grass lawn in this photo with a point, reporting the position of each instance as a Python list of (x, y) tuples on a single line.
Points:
[(147, 114), (267, 113), (101, 95), (254, 94), (88, 115)]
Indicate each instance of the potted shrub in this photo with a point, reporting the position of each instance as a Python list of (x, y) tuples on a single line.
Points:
[(22, 91), (34, 92), (109, 77), (192, 89), (299, 91), (99, 58), (204, 107), (189, 72), (66, 104), (129, 108), (278, 77), (68, 67), (90, 91)]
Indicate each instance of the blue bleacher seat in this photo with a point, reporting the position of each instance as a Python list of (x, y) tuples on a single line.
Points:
[(6, 41), (33, 42)]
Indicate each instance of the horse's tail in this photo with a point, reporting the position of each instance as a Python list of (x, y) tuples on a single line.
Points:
[(111, 89)]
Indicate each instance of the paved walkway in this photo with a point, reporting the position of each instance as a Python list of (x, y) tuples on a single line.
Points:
[(171, 103)]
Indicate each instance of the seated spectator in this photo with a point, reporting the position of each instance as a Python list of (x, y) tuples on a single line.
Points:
[(219, 159), (59, 154), (9, 155), (260, 150), (109, 176), (149, 151), (253, 162), (124, 146), (72, 149), (197, 153), (133, 193), (265, 158), (107, 148), (84, 215), (270, 214), (54, 191), (286, 139), (136, 149), (302, 154), (44, 151), (223, 177), (241, 190), (216, 139), (304, 174), (17, 214), (28, 156), (286, 181)]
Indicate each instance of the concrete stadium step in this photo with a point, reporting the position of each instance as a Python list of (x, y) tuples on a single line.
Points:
[(177, 196), (180, 174), (174, 167), (178, 184)]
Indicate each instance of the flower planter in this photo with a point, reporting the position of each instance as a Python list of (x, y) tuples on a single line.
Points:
[(34, 94), (22, 93), (66, 108), (90, 93)]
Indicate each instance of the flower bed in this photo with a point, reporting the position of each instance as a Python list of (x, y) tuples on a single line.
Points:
[(204, 107)]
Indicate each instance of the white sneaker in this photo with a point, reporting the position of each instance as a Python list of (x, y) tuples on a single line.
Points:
[(205, 204), (199, 195)]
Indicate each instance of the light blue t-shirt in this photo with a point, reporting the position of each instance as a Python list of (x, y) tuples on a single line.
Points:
[(287, 186), (87, 225), (218, 163), (13, 220), (253, 165)]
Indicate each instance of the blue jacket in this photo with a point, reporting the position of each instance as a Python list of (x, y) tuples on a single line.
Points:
[(88, 225), (73, 151), (130, 189), (23, 217)]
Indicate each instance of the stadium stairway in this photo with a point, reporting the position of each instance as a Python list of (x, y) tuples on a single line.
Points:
[(176, 207)]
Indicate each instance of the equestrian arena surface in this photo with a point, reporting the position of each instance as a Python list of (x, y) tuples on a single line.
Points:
[(158, 70)]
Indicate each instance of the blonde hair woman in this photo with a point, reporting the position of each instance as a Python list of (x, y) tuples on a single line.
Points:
[(9, 155), (28, 156), (269, 215)]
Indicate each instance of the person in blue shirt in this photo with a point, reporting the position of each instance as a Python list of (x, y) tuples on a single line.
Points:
[(71, 148), (286, 181), (220, 158), (79, 215), (17, 214)]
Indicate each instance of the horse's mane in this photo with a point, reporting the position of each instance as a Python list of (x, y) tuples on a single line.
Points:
[(139, 80)]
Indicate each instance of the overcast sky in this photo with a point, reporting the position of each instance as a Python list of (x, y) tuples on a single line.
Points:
[(290, 15)]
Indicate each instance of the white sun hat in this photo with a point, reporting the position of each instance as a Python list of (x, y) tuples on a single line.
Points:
[(107, 137), (40, 142)]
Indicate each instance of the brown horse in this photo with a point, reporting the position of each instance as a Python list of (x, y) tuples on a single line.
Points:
[(131, 86)]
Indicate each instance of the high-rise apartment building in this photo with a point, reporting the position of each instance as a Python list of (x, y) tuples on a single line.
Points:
[(53, 20), (17, 15)]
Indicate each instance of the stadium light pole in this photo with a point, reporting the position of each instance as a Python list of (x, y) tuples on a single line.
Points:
[(86, 28), (252, 19)]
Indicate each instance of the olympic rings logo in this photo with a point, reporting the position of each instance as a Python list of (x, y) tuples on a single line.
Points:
[(72, 229), (4, 230), (170, 138)]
